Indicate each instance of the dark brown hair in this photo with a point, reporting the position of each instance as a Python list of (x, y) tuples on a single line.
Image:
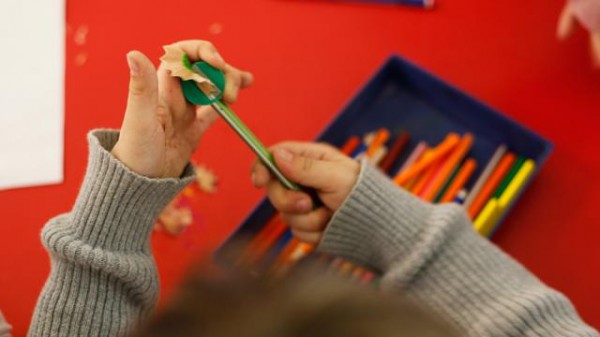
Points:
[(301, 305)]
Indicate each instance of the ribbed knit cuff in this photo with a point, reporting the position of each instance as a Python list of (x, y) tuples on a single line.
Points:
[(116, 207), (378, 223)]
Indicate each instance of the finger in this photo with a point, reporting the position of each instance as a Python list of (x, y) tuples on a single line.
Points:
[(260, 174), (233, 82), (143, 87), (202, 50), (171, 95), (288, 201), (319, 151), (205, 115), (308, 237), (314, 221), (595, 46), (247, 79), (313, 172), (566, 23)]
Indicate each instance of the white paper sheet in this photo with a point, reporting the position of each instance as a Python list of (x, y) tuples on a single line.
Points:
[(31, 92)]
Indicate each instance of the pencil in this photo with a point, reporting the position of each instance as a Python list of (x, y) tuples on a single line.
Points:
[(483, 177), (438, 152), (447, 184), (446, 170), (491, 184), (486, 220), (461, 196), (381, 137), (462, 177), (426, 177), (378, 156), (395, 151), (351, 144), (516, 185), (511, 174), (414, 156)]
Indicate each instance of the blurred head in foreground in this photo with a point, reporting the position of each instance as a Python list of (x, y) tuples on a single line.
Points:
[(306, 303)]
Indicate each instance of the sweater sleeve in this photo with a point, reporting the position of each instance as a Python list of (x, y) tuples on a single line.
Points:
[(5, 328), (432, 255), (103, 279)]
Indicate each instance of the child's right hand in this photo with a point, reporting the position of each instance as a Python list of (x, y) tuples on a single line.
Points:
[(322, 167)]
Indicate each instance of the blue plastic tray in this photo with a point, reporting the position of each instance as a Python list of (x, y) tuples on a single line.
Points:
[(403, 96)]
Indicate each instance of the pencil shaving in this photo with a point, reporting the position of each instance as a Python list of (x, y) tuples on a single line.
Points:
[(173, 60), (206, 179)]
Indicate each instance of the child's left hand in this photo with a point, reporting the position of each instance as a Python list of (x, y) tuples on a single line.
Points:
[(160, 130)]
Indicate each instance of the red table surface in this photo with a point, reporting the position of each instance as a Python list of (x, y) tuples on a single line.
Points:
[(309, 58)]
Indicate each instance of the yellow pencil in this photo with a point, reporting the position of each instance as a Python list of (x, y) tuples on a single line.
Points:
[(487, 219), (516, 185), (495, 209)]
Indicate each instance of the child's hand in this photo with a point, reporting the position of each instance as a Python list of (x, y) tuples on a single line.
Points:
[(567, 23), (318, 166), (160, 130)]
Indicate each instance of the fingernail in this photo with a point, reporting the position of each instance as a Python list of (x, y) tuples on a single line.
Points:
[(303, 205), (253, 178), (284, 155), (133, 66)]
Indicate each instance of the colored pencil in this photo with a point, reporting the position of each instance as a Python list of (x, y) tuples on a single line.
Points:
[(462, 177), (357, 273), (516, 185), (461, 196), (381, 137), (485, 174), (417, 152), (367, 278), (351, 144), (438, 152), (285, 253), (378, 156), (395, 151), (427, 176), (449, 165), (486, 220), (491, 184), (511, 174), (447, 184)]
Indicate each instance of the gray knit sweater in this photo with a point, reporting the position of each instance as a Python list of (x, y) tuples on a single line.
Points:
[(103, 280)]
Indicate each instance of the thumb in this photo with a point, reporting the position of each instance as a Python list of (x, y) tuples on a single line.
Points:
[(311, 172), (143, 85)]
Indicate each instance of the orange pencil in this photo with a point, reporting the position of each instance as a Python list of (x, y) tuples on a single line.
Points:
[(271, 225), (262, 247), (285, 253), (446, 170), (380, 138), (426, 178), (463, 175), (437, 153), (490, 185)]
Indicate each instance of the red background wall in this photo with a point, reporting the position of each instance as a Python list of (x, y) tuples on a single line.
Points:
[(503, 52)]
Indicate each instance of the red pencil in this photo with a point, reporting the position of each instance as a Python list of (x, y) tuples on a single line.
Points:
[(395, 151), (490, 185)]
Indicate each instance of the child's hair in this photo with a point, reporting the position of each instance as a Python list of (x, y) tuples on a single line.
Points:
[(301, 305)]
